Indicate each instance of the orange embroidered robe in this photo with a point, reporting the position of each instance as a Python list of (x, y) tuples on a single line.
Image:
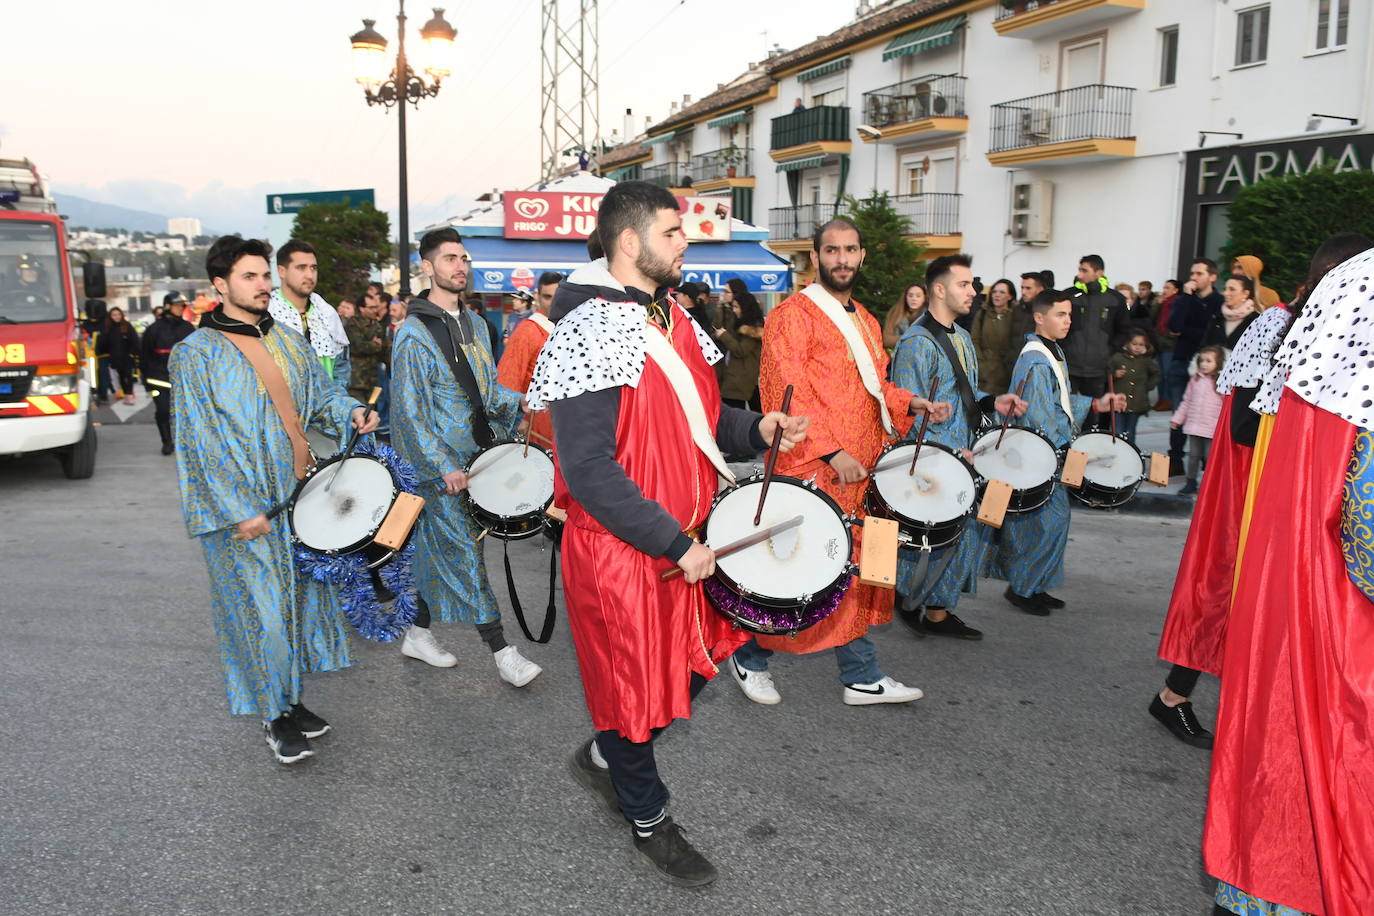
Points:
[(803, 348), (517, 368)]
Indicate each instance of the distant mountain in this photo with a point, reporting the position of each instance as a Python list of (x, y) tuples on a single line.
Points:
[(78, 211)]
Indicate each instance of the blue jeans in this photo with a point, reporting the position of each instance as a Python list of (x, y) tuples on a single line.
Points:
[(858, 660), (1166, 384), (1125, 425)]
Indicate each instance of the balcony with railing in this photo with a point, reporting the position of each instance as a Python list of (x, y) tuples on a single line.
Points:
[(928, 215), (723, 168), (1039, 18), (667, 175), (810, 131), (791, 223), (931, 106), (1083, 124)]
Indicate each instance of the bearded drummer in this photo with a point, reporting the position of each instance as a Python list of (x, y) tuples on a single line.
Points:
[(640, 428), (936, 352), (830, 349), (447, 405), (242, 371), (1028, 550)]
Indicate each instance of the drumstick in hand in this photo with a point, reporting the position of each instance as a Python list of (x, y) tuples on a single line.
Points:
[(1111, 390), (758, 537), (772, 456), (925, 424), (353, 441), (1006, 420)]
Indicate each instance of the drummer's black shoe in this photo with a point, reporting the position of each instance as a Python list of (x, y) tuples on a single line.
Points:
[(1048, 600), (950, 626), (595, 779), (910, 616), (285, 739), (167, 448), (1029, 605), (1181, 721), (311, 725), (672, 858)]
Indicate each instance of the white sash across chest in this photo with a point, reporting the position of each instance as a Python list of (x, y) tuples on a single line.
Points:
[(541, 320), (863, 357), (660, 350), (1035, 346)]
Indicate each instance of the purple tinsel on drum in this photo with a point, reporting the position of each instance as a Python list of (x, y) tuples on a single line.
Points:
[(773, 621)]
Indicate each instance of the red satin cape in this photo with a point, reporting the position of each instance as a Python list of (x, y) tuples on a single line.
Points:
[(1290, 815), (1195, 629), (638, 639)]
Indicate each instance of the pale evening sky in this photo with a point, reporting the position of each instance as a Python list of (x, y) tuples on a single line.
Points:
[(200, 109)]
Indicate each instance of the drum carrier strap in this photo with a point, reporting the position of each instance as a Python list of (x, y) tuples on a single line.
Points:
[(463, 375), (550, 612), (269, 373), (966, 394)]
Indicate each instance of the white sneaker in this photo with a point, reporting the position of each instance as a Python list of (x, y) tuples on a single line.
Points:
[(419, 643), (515, 669), (757, 685), (885, 691)]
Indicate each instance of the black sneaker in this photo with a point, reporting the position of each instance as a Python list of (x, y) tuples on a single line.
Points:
[(672, 858), (910, 617), (1048, 600), (1181, 721), (1029, 605), (1189, 488), (311, 725), (286, 741), (595, 780), (950, 626), (167, 448)]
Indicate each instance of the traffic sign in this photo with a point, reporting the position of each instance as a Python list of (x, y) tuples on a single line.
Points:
[(293, 202)]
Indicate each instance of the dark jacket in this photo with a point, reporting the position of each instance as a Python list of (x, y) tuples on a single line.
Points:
[(158, 340), (1216, 336), (1100, 326), (1142, 374), (1022, 323), (1188, 318), (366, 352), (741, 377), (120, 344)]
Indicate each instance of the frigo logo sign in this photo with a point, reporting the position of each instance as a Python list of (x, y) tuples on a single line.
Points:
[(549, 214)]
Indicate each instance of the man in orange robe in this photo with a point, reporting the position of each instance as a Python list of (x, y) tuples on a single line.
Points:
[(522, 351), (854, 412)]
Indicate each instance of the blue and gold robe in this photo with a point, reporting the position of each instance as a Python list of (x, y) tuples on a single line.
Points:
[(431, 426), (234, 462), (1028, 550), (917, 360)]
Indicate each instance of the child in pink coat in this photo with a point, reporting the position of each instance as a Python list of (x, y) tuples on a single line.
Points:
[(1199, 410)]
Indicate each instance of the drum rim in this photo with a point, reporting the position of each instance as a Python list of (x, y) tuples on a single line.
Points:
[(481, 513), (1054, 473), (310, 475), (974, 477)]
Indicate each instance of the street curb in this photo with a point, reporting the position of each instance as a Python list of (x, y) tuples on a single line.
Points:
[(1166, 504)]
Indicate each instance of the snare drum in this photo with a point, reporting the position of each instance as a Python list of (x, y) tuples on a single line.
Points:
[(341, 503), (791, 581), (931, 505), (1026, 460), (1114, 471), (509, 489)]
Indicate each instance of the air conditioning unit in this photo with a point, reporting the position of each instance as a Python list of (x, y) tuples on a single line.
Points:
[(1032, 205), (1035, 123)]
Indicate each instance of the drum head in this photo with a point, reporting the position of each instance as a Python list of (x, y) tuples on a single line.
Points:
[(941, 490), (512, 482), (1114, 465), (321, 445), (1025, 459), (800, 562), (350, 511)]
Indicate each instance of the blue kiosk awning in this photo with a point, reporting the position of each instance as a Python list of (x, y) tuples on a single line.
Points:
[(496, 261)]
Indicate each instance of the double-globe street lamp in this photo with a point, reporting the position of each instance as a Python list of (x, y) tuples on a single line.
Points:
[(400, 86)]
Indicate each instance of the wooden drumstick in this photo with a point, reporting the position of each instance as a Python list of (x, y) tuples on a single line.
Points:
[(758, 537), (353, 441), (1006, 421), (526, 452), (772, 461), (925, 424), (1111, 390)]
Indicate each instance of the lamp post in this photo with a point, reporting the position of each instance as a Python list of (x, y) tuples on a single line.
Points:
[(399, 87)]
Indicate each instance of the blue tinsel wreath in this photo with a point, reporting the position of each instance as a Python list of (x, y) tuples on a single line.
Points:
[(349, 576)]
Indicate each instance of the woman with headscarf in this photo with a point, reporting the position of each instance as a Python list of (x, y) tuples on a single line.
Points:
[(1247, 265)]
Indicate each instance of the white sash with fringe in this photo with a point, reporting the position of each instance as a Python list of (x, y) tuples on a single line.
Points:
[(1035, 346), (657, 348), (863, 357)]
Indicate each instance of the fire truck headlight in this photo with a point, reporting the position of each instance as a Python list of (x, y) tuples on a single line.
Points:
[(62, 382)]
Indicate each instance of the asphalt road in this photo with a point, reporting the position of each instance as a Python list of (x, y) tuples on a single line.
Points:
[(1029, 780)]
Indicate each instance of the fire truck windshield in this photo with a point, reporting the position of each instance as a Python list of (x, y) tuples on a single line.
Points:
[(30, 274)]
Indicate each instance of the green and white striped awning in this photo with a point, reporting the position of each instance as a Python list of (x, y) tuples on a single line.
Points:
[(796, 165), (733, 118), (825, 69), (661, 138), (925, 38)]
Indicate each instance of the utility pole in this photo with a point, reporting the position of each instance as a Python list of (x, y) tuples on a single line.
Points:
[(569, 68)]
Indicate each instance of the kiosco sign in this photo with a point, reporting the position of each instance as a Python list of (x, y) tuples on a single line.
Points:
[(550, 214)]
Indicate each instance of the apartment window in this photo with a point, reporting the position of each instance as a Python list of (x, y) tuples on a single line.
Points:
[(1333, 24), (1168, 56), (1252, 36)]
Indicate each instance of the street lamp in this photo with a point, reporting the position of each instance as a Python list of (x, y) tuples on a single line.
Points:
[(399, 87)]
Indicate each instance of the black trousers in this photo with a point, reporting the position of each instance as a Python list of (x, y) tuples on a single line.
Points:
[(492, 633), (634, 770), (1182, 680), (162, 410)]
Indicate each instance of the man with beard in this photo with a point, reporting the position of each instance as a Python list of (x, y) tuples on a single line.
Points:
[(297, 306), (246, 387), (637, 418), (166, 332), (830, 349), (446, 407)]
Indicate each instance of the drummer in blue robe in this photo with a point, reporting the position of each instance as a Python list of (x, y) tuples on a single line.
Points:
[(1028, 551), (439, 427), (935, 349), (235, 461)]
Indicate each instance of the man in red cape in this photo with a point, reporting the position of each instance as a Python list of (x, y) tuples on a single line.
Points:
[(636, 481), (1290, 818)]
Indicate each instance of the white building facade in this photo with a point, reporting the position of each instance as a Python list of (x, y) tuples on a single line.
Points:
[(1031, 133)]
